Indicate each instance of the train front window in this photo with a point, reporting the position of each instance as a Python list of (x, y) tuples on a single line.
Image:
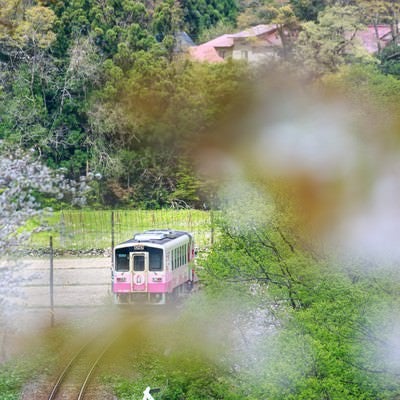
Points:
[(122, 259), (155, 259), (138, 263)]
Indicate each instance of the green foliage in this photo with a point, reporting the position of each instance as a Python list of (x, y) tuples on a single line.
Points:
[(219, 29), (246, 253), (334, 332), (172, 359), (160, 105), (67, 62), (86, 229), (390, 60), (187, 188), (26, 25), (203, 14), (109, 24), (12, 378), (343, 339), (307, 10), (9, 385), (179, 376), (167, 19), (325, 45), (366, 87)]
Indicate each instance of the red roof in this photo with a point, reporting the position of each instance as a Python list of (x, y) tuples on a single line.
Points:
[(369, 40), (207, 51), (220, 41), (255, 31)]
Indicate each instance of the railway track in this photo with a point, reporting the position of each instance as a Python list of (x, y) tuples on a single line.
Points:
[(72, 383), (80, 362)]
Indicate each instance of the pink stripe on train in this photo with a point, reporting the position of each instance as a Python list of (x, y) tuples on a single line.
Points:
[(121, 287)]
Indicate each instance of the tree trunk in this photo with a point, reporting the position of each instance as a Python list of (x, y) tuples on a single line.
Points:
[(378, 41)]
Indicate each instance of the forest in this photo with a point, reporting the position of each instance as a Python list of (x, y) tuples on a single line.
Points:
[(299, 156), (96, 88)]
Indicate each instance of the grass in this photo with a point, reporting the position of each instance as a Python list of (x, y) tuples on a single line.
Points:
[(36, 356), (12, 378), (92, 229)]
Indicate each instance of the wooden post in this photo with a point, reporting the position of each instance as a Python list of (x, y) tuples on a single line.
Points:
[(212, 226), (51, 282), (112, 238)]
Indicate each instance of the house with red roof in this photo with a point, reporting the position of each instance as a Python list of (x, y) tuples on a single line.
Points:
[(371, 36), (262, 43), (256, 44)]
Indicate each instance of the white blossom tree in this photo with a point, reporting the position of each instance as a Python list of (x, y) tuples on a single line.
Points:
[(22, 178)]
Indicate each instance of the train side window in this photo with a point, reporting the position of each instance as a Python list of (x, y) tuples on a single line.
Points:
[(174, 259)]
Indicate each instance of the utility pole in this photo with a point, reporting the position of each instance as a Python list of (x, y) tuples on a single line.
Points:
[(51, 282)]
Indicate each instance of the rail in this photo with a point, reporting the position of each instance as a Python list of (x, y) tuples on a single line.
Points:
[(90, 364)]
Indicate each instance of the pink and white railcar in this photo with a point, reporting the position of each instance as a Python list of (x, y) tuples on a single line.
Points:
[(153, 266)]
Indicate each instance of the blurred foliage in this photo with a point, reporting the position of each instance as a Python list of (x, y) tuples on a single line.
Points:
[(160, 105), (368, 90), (333, 327)]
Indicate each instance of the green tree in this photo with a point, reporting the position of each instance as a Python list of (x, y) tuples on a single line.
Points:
[(390, 60), (203, 14), (160, 105), (286, 23), (219, 29), (330, 331), (307, 10), (26, 23), (324, 46), (378, 12)]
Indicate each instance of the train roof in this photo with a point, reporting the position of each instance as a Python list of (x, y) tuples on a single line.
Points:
[(156, 236)]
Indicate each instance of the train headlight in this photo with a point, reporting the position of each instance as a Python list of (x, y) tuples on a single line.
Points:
[(158, 298), (121, 279), (157, 279)]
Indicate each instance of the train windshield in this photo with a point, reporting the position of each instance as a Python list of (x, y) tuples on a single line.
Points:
[(155, 259), (138, 263), (122, 259)]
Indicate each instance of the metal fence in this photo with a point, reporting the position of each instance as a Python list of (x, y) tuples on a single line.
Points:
[(82, 230)]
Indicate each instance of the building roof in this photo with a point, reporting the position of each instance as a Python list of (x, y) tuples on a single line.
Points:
[(207, 51), (255, 31), (183, 41), (369, 40)]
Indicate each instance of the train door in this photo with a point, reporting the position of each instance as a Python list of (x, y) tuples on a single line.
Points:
[(139, 267)]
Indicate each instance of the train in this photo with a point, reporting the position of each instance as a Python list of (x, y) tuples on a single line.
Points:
[(154, 267)]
